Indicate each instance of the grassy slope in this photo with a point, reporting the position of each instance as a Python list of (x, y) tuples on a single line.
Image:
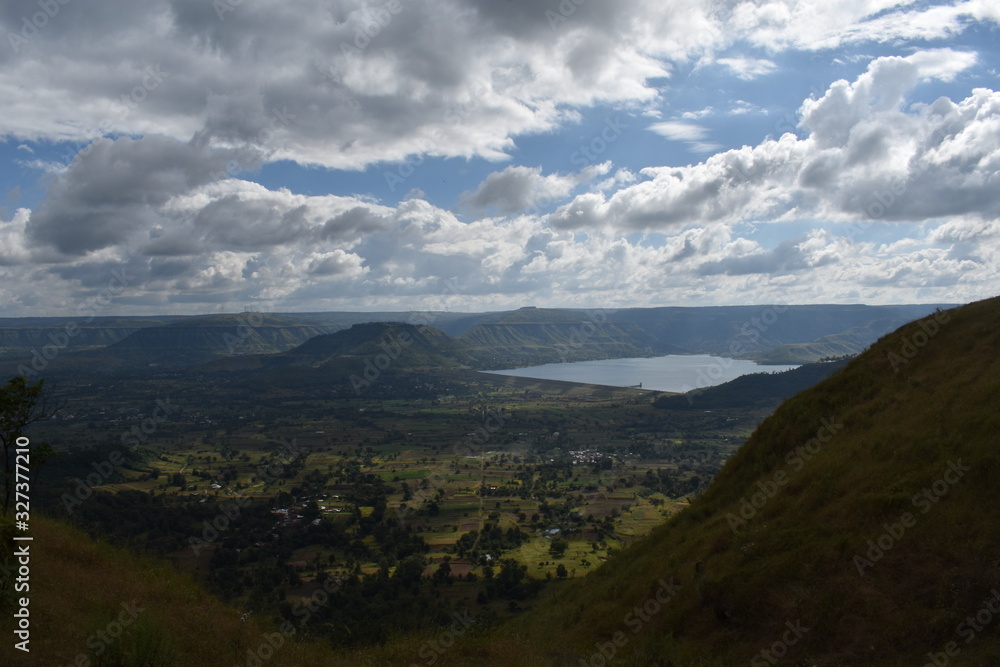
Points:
[(756, 389), (78, 588), (794, 560), (791, 562), (848, 342), (532, 336)]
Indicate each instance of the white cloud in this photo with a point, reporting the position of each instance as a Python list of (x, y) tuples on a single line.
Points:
[(517, 188), (695, 115), (863, 155), (748, 68), (778, 25), (449, 78), (304, 82), (742, 108), (188, 101), (689, 133), (678, 131)]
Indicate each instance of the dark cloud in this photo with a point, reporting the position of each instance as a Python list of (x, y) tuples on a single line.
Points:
[(236, 223), (117, 188), (516, 189), (787, 257), (356, 222), (191, 91)]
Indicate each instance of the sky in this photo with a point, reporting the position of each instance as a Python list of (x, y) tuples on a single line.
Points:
[(204, 156)]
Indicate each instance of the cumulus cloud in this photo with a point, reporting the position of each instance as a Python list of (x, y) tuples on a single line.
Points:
[(865, 156), (748, 68), (341, 86), (355, 83), (168, 102), (777, 25), (689, 133), (118, 188), (518, 188), (788, 257)]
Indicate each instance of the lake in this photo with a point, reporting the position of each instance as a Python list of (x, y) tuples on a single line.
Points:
[(675, 372)]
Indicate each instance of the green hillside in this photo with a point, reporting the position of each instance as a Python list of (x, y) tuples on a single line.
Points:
[(348, 361), (92, 604), (756, 329), (408, 346), (191, 341), (540, 335), (752, 390), (849, 342), (772, 334), (196, 340), (857, 526), (863, 510), (30, 344)]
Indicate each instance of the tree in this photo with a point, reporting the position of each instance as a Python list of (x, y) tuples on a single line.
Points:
[(21, 404), (561, 571), (558, 547), (443, 572), (410, 570)]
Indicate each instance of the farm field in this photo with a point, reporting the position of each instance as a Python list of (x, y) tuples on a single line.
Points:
[(482, 487)]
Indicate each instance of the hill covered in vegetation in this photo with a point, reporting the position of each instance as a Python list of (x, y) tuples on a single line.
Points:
[(770, 334), (752, 390), (855, 527)]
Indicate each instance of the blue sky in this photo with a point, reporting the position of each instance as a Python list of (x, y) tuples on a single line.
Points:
[(360, 155)]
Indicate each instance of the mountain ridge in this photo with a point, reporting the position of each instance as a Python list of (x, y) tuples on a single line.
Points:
[(505, 339), (823, 518)]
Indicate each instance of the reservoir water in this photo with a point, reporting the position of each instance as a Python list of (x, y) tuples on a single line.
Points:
[(675, 372)]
